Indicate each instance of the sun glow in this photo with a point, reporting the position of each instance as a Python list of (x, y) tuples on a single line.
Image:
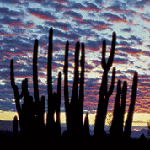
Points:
[(139, 119)]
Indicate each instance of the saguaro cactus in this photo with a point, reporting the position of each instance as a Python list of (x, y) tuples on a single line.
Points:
[(104, 93)]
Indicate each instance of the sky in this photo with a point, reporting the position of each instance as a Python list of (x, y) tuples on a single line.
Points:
[(90, 22)]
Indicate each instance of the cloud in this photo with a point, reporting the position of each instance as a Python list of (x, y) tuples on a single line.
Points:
[(114, 18), (120, 61), (136, 39), (91, 7), (100, 25), (61, 1), (59, 25), (45, 15), (11, 21), (75, 16), (118, 7), (126, 30), (10, 1), (69, 36), (7, 12)]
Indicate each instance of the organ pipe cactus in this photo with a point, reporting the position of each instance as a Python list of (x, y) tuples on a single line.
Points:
[(129, 119), (31, 114), (54, 99), (74, 109), (116, 129)]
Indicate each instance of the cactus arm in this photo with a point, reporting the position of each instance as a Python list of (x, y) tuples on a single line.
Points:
[(106, 66), (117, 99), (43, 107), (15, 88), (123, 99), (49, 69), (35, 74), (76, 74), (123, 105), (131, 107), (112, 83), (25, 91), (103, 62), (66, 94), (116, 114), (58, 103), (134, 90), (81, 89), (58, 98), (81, 93), (112, 52), (12, 74)]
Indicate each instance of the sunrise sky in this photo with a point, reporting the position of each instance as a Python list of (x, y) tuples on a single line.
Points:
[(23, 21)]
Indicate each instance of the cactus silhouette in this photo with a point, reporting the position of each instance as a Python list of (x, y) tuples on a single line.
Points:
[(86, 130), (31, 114), (104, 93), (74, 109), (129, 119), (15, 126), (54, 99), (116, 129)]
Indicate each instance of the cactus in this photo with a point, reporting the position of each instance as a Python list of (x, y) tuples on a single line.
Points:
[(66, 93), (15, 126), (31, 114), (129, 119), (49, 70), (54, 99), (74, 118), (86, 130), (116, 129), (104, 93), (35, 74), (58, 103), (50, 124), (17, 96)]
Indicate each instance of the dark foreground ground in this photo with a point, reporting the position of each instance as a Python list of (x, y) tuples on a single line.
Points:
[(6, 135), (74, 142)]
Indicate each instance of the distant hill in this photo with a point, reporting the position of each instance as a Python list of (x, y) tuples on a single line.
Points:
[(6, 125)]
